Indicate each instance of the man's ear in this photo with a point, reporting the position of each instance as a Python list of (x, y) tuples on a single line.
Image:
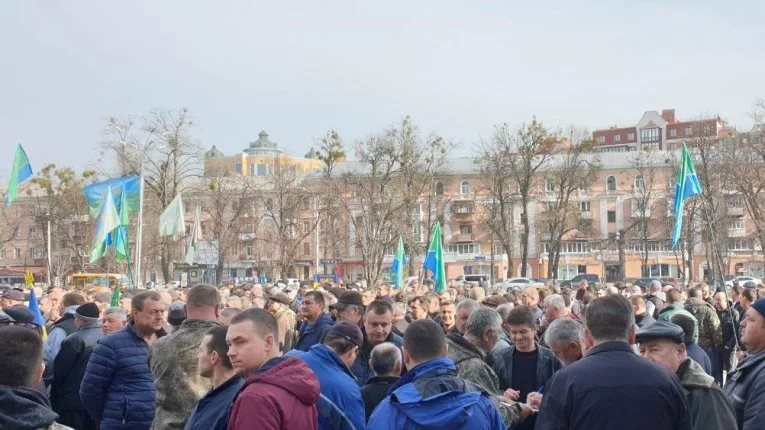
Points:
[(588, 342), (37, 378), (632, 332)]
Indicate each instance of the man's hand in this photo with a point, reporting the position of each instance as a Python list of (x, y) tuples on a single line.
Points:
[(525, 411), (511, 394), (534, 400)]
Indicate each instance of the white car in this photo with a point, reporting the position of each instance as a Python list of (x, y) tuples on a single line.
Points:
[(741, 280), (522, 283)]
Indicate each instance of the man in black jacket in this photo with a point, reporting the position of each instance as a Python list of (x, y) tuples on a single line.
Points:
[(746, 385), (729, 321), (69, 368), (385, 360), (612, 387)]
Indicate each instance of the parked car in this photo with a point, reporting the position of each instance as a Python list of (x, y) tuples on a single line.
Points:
[(740, 281), (592, 279), (644, 283), (674, 282), (472, 278), (520, 283)]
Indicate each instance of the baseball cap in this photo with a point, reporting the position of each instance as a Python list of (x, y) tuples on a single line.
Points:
[(349, 331)]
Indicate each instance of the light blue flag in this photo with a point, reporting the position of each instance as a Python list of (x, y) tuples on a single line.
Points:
[(434, 259), (399, 261), (20, 172), (687, 186)]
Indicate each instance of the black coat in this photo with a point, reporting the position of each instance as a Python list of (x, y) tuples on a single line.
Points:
[(644, 319), (502, 364), (375, 391), (728, 326), (69, 367), (613, 388)]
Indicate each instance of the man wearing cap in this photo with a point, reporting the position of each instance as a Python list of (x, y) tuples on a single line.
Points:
[(12, 298), (746, 385), (279, 306), (663, 343), (69, 368), (340, 404), (350, 307), (655, 299)]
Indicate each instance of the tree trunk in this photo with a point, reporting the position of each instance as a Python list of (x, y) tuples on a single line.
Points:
[(525, 242)]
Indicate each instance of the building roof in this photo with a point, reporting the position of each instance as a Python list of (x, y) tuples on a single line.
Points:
[(214, 152), (263, 145)]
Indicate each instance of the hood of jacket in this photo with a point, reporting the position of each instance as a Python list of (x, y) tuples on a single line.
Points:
[(24, 408), (290, 374), (435, 404)]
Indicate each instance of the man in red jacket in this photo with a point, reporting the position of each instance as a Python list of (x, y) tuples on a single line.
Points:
[(280, 392)]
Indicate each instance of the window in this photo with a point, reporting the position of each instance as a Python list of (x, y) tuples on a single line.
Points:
[(551, 207), (32, 232), (673, 132), (463, 248), (306, 204), (499, 250), (650, 135), (707, 130), (611, 217), (549, 185), (248, 250), (252, 169), (611, 184), (736, 224), (651, 246), (466, 229), (735, 201), (602, 140), (742, 244), (306, 227), (439, 189), (639, 183), (569, 247), (306, 248), (631, 137), (465, 188), (17, 233), (688, 131), (17, 253), (584, 206), (617, 138), (238, 168), (582, 187), (262, 169)]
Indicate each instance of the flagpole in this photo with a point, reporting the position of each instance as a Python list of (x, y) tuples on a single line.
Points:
[(716, 250), (139, 237)]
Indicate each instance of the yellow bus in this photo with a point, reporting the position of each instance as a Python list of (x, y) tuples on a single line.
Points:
[(80, 280)]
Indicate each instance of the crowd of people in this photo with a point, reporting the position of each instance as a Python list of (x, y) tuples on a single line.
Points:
[(355, 357)]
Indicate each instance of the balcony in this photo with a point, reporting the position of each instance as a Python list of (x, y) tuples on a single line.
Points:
[(736, 210), (462, 237), (463, 208), (736, 232)]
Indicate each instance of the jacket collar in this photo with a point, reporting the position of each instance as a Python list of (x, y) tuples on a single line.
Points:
[(90, 326), (131, 329), (610, 346), (462, 342), (198, 324), (751, 361), (693, 376), (326, 354), (382, 380)]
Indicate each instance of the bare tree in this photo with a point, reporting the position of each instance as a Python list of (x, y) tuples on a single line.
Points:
[(393, 169), (644, 204), (161, 147), (568, 174)]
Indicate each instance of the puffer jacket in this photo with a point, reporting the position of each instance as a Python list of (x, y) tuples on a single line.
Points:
[(25, 408), (710, 333), (473, 365), (746, 391), (69, 368), (173, 362), (707, 405), (360, 368), (118, 387)]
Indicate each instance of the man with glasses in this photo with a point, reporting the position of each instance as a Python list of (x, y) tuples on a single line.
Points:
[(340, 404)]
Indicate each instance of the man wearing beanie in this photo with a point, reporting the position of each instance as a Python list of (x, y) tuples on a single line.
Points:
[(746, 384), (664, 343), (69, 368)]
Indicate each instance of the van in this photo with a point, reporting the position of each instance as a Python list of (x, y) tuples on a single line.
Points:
[(472, 278)]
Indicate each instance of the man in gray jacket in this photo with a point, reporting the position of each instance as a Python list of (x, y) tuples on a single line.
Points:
[(746, 385), (173, 360), (709, 409)]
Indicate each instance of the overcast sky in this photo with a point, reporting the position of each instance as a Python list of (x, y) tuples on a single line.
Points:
[(296, 71)]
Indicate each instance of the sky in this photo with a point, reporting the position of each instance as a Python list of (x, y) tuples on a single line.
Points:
[(298, 69)]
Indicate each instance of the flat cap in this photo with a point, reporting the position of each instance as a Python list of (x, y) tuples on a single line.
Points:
[(280, 298), (15, 295), (661, 330), (494, 300), (349, 298)]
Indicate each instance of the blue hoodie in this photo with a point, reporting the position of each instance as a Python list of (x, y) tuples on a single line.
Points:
[(311, 334), (432, 396), (340, 405)]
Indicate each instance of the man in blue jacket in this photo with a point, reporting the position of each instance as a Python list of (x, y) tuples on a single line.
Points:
[(316, 320), (340, 404), (118, 387), (211, 413), (377, 329), (431, 395), (612, 387)]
